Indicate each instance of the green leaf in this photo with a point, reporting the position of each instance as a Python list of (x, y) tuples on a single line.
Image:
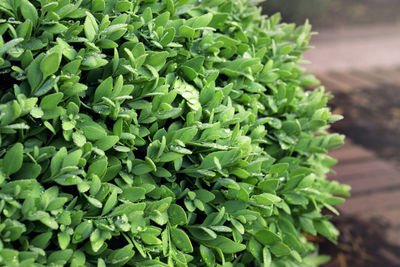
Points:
[(63, 240), (121, 256), (279, 168), (202, 21), (226, 245), (133, 194), (72, 159), (267, 259), (168, 37), (267, 199), (50, 64), (60, 257), (90, 27), (218, 20), (107, 142), (181, 240), (280, 250), (47, 220), (28, 11), (267, 237), (157, 59), (110, 203), (170, 113), (98, 5), (327, 229), (123, 6), (12, 161), (224, 158), (104, 89), (10, 44), (205, 195), (93, 131), (96, 240), (41, 240), (255, 248), (189, 93), (150, 239), (82, 231), (51, 101), (161, 20), (79, 139), (228, 183), (96, 203), (207, 255), (177, 215), (186, 31)]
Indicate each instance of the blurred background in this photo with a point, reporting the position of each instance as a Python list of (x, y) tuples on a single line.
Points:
[(356, 56)]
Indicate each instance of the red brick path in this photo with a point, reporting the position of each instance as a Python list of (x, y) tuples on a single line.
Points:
[(375, 183), (375, 187)]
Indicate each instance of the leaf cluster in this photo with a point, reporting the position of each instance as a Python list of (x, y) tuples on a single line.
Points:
[(160, 133)]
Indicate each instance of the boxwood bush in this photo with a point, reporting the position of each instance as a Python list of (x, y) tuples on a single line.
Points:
[(160, 133)]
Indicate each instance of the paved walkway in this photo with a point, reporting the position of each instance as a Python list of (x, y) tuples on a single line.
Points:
[(375, 187), (355, 48), (375, 183)]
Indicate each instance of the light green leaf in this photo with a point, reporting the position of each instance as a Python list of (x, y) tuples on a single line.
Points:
[(107, 142), (51, 101), (133, 194), (50, 64), (177, 215), (110, 203), (207, 255), (12, 161), (226, 245), (267, 237), (280, 250), (267, 199), (181, 240), (82, 231), (63, 240), (90, 27), (104, 90)]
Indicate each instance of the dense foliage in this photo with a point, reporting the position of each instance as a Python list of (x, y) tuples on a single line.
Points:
[(159, 133)]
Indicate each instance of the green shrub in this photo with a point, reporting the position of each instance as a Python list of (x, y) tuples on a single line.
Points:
[(159, 133)]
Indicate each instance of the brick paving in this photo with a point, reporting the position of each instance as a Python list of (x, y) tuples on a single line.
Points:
[(349, 80), (375, 187), (375, 183), (362, 58), (359, 48)]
